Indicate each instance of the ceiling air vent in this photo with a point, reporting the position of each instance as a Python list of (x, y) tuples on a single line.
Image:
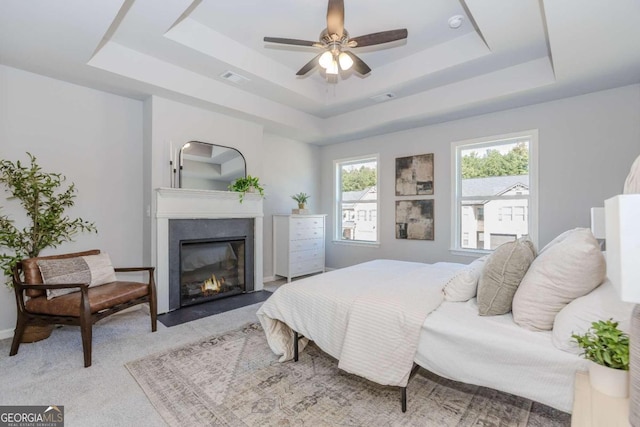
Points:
[(234, 77), (384, 97)]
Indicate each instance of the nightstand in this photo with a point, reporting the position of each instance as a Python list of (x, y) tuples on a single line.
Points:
[(594, 409)]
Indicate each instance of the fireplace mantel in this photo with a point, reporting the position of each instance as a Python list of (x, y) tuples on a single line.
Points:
[(178, 203)]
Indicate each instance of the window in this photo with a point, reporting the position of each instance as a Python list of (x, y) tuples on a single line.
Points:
[(356, 193), (496, 179)]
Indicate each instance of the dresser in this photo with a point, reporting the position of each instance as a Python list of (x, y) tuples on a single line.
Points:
[(298, 245)]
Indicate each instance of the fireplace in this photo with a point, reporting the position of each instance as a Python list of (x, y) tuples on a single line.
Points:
[(183, 215), (209, 259), (211, 269)]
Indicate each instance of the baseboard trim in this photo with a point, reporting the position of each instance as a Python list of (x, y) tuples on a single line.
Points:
[(6, 333), (268, 279)]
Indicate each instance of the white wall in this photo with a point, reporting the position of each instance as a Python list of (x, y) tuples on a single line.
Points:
[(290, 167), (586, 147), (93, 138)]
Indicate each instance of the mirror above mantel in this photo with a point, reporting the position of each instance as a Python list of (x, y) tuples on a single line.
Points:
[(205, 166)]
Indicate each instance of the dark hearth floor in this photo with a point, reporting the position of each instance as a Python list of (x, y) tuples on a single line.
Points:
[(198, 311)]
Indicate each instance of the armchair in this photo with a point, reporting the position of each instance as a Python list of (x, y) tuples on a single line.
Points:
[(82, 308)]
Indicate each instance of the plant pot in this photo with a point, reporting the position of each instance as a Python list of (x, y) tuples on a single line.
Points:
[(35, 333), (609, 381), (300, 205)]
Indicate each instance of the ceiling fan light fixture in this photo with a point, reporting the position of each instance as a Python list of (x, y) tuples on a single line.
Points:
[(345, 61), (333, 68), (325, 60)]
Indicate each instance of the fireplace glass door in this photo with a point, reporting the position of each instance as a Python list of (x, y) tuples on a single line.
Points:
[(211, 269)]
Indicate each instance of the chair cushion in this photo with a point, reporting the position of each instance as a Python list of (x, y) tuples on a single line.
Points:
[(100, 298), (95, 270), (32, 274)]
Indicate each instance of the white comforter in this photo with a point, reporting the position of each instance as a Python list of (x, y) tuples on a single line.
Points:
[(367, 316)]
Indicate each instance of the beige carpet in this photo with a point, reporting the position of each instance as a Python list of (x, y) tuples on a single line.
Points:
[(235, 380)]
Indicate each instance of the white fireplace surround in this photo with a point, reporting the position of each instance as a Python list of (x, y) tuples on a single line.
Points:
[(179, 203)]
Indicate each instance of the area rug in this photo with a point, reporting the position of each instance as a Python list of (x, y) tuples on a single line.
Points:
[(235, 380)]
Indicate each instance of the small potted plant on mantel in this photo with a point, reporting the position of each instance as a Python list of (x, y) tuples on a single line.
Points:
[(250, 184), (607, 349)]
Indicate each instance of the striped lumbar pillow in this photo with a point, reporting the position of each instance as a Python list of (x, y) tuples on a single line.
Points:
[(95, 270)]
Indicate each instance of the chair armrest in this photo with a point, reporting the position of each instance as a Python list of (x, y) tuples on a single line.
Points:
[(129, 269), (60, 286)]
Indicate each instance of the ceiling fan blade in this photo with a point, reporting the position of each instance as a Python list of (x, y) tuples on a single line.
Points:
[(379, 38), (358, 64), (295, 42), (309, 66), (335, 18)]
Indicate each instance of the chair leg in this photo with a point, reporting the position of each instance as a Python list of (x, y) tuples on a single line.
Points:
[(153, 310), (86, 327), (86, 331), (21, 324)]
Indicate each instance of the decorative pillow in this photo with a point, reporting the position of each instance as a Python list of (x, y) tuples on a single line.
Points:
[(503, 271), (95, 270), (570, 266), (602, 303), (464, 284)]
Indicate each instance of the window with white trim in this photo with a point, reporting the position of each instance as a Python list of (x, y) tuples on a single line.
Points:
[(356, 199), (495, 198)]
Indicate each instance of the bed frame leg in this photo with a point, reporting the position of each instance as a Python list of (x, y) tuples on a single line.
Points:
[(295, 346), (403, 390)]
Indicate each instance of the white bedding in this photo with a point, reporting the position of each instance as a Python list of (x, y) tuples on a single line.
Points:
[(494, 352), (368, 316)]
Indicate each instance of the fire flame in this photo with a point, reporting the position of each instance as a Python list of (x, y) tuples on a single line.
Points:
[(212, 284)]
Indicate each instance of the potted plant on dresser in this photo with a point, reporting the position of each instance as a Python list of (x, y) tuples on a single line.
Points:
[(302, 199), (607, 349), (44, 203)]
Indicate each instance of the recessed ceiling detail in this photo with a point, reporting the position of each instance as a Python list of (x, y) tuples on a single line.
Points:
[(505, 54)]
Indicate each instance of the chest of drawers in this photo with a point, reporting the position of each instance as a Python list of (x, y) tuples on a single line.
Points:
[(298, 245)]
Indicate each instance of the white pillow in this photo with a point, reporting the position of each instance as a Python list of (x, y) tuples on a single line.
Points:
[(464, 284), (603, 303), (567, 268)]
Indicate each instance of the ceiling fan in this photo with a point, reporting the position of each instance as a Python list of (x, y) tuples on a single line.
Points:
[(335, 42)]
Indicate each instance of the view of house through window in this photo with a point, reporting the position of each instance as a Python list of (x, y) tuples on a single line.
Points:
[(493, 191), (357, 199)]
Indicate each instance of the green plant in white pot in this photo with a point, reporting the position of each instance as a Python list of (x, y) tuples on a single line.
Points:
[(250, 184), (607, 349)]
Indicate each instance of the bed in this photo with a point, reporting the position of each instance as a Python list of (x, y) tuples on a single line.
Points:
[(383, 318)]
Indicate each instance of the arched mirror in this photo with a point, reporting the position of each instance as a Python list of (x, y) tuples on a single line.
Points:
[(206, 166)]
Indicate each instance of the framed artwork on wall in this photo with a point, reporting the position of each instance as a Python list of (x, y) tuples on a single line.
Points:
[(414, 219), (414, 175)]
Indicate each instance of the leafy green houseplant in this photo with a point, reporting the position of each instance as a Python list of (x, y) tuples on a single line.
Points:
[(44, 203), (605, 345), (250, 184), (607, 348), (301, 198)]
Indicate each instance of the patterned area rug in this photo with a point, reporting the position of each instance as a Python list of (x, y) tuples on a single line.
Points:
[(235, 380)]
